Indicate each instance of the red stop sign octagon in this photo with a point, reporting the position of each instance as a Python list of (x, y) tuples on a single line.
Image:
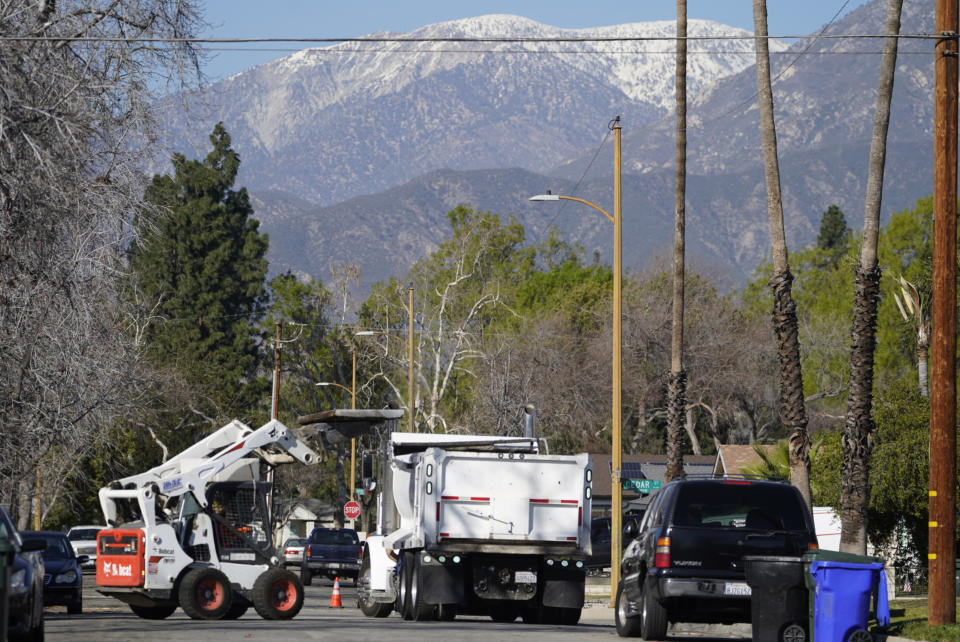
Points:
[(351, 510)]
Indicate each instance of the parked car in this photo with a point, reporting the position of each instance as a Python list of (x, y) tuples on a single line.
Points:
[(62, 578), (25, 591), (293, 550), (84, 542), (685, 562), (599, 559), (334, 552)]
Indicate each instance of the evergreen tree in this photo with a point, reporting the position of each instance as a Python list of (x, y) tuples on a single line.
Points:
[(202, 265), (834, 233)]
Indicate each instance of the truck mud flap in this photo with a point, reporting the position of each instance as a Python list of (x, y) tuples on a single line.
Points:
[(563, 588), (442, 583)]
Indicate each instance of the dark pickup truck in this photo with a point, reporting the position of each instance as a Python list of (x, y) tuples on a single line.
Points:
[(334, 552)]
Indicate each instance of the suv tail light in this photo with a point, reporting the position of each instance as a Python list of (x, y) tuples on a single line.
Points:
[(306, 551), (661, 558)]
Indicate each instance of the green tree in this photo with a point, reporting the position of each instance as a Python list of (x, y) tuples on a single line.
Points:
[(834, 234), (461, 289), (202, 267)]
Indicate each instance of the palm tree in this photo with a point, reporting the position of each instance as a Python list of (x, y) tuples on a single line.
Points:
[(775, 462), (792, 410), (913, 310), (678, 378), (855, 484)]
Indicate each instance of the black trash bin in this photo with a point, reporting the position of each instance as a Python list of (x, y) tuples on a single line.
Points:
[(778, 598)]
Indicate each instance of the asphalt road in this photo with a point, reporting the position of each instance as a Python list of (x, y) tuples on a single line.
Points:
[(106, 619)]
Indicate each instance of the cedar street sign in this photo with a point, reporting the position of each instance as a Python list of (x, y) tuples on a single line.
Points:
[(644, 486)]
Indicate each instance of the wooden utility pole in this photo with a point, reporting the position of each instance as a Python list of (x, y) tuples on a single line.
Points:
[(943, 380), (411, 406), (275, 405)]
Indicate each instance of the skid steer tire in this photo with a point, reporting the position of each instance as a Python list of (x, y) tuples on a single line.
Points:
[(205, 594), (277, 594)]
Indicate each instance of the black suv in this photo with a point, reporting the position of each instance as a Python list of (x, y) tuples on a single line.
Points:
[(685, 563)]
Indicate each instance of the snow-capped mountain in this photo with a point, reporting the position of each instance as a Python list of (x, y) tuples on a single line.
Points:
[(329, 123)]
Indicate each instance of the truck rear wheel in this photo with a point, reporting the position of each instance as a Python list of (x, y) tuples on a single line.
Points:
[(159, 612), (404, 603), (306, 577), (277, 594), (205, 594), (420, 610)]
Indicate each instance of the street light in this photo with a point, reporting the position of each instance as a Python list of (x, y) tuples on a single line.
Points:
[(410, 400), (616, 491)]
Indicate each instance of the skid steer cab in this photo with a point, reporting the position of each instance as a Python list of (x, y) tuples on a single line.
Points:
[(195, 532)]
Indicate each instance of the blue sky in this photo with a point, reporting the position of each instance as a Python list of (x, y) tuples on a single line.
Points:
[(354, 18)]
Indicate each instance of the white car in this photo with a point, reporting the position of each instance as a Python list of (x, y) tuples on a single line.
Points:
[(84, 542), (293, 550)]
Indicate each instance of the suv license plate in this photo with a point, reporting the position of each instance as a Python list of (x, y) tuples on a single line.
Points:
[(736, 588), (525, 577)]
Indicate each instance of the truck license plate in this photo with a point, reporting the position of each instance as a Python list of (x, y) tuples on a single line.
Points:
[(525, 577), (736, 588)]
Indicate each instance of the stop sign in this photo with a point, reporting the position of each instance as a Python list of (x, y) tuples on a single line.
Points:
[(351, 510)]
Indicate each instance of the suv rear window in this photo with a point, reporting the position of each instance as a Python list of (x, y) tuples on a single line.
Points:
[(739, 505)]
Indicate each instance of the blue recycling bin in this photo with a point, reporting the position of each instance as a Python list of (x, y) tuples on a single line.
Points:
[(842, 591)]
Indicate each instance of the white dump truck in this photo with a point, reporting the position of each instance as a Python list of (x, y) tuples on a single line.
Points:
[(476, 524)]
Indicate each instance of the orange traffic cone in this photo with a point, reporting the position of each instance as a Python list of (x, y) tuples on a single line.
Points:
[(335, 596)]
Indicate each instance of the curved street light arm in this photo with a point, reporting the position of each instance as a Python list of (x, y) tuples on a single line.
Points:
[(585, 202)]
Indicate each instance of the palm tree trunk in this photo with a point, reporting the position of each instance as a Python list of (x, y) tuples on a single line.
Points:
[(855, 480), (792, 410), (678, 378), (922, 347)]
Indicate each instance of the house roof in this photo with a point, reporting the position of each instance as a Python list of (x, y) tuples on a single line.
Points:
[(306, 508), (653, 467), (732, 458)]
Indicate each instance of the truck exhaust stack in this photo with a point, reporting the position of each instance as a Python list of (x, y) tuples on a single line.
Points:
[(529, 421)]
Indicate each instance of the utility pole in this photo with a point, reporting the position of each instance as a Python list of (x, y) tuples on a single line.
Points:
[(411, 405), (274, 412), (942, 607), (616, 488), (275, 405)]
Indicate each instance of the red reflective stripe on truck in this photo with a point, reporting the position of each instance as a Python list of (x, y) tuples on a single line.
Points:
[(539, 501), (572, 539), (438, 511), (450, 497), (580, 516), (569, 501), (444, 534), (479, 499)]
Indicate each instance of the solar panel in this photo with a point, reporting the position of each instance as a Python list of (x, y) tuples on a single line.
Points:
[(630, 470)]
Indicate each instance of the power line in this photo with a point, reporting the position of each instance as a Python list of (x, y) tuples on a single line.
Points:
[(504, 40), (634, 52)]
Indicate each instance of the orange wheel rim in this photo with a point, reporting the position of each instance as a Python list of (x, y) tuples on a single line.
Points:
[(210, 594), (284, 595)]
